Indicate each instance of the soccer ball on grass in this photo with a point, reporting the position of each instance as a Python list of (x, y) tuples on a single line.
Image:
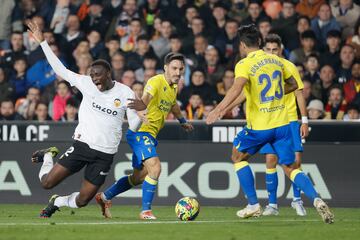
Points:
[(187, 209)]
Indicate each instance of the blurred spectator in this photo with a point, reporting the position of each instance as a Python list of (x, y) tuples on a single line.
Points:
[(129, 11), (29, 42), (38, 53), (347, 56), (226, 83), (83, 63), (308, 41), (214, 70), (195, 108), (307, 91), (219, 13), (355, 39), (149, 73), (346, 13), (199, 85), (41, 112), (112, 46), (336, 105), (149, 11), (7, 111), (71, 37), (226, 42), (352, 87), (321, 89), (128, 41), (18, 78), (309, 7), (7, 7), (238, 10), (198, 55), (63, 93), (315, 109), (117, 66), (96, 20), (324, 23), (150, 62), (312, 68), (286, 25), (95, 43), (208, 107), (175, 12), (138, 88), (272, 8), (135, 59), (255, 13), (128, 78), (41, 74), (331, 55), (301, 70), (26, 106), (71, 111), (303, 24), (6, 89), (161, 45), (184, 27), (264, 26), (55, 14), (82, 48), (17, 50), (197, 29), (352, 113)]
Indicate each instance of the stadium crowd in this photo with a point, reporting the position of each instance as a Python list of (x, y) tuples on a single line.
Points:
[(322, 38)]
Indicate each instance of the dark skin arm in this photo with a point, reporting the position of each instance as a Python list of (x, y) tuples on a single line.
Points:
[(290, 85)]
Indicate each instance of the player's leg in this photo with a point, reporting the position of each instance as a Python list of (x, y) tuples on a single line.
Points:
[(149, 186), (297, 203), (49, 175), (271, 178), (125, 183), (245, 144), (284, 148)]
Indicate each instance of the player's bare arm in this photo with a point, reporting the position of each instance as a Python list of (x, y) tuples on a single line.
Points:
[(304, 129), (175, 109), (239, 100), (290, 85), (230, 96), (140, 104)]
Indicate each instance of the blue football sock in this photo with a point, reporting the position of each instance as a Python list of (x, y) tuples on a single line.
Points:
[(296, 191), (121, 185), (303, 182), (246, 179), (271, 184), (148, 191)]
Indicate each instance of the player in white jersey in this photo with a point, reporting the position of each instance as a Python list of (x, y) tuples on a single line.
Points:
[(97, 135)]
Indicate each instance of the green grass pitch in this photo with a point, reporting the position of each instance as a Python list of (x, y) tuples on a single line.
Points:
[(22, 222)]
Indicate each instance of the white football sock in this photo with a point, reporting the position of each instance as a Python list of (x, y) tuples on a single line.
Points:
[(47, 165), (273, 205), (67, 201)]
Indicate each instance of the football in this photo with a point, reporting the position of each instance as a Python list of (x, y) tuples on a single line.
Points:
[(187, 209)]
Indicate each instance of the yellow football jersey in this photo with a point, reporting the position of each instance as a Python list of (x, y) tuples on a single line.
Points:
[(164, 97), (264, 90), (290, 99)]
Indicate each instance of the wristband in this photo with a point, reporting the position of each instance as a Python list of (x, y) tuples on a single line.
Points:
[(304, 120), (182, 120)]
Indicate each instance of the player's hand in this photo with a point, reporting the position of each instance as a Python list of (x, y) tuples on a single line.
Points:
[(136, 104), (35, 31), (188, 127), (304, 130), (142, 116), (213, 116)]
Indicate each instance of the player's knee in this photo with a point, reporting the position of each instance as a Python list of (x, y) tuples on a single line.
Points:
[(46, 184), (136, 180), (238, 158), (155, 170)]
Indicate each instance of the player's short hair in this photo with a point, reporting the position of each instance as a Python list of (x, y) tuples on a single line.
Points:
[(103, 63), (173, 56), (250, 35), (273, 38)]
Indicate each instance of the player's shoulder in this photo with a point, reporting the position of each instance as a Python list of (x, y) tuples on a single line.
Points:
[(157, 79), (287, 63), (123, 89)]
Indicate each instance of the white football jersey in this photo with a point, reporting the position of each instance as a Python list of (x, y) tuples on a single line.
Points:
[(101, 114)]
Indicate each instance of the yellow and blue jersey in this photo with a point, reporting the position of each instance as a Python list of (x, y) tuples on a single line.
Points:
[(163, 98), (264, 90), (290, 99)]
